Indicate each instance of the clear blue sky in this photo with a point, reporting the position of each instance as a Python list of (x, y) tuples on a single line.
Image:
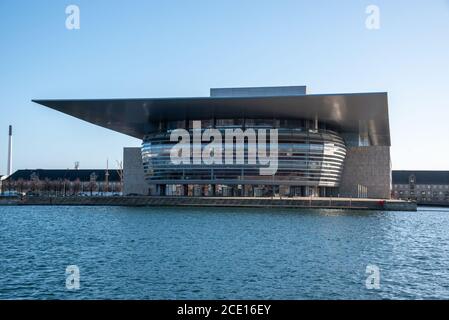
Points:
[(182, 48)]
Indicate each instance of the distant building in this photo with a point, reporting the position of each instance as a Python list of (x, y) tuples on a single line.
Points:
[(64, 182), (426, 187)]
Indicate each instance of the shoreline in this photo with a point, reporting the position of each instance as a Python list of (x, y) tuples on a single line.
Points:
[(148, 201)]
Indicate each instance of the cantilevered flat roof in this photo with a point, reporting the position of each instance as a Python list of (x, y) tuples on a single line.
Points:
[(352, 113)]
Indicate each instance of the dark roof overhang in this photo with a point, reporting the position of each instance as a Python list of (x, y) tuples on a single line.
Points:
[(352, 113)]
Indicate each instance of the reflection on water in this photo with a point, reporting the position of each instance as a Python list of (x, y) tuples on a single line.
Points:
[(200, 253)]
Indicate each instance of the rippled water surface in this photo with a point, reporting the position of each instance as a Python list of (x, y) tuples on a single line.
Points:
[(200, 253)]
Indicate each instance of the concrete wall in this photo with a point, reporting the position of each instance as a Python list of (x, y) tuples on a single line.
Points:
[(133, 174), (369, 167)]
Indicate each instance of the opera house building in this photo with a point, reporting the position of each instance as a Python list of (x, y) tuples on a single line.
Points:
[(328, 145)]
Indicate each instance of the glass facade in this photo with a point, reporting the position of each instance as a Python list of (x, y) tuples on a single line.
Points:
[(308, 156)]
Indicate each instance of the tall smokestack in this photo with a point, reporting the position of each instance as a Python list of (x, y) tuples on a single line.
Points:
[(10, 152)]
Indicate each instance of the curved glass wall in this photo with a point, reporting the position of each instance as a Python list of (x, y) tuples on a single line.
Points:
[(306, 157)]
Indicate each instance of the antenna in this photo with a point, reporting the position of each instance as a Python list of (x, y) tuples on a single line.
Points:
[(9, 172), (120, 172), (107, 176)]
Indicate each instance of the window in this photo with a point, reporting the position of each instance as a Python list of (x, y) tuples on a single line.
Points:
[(229, 123), (269, 123), (173, 125), (207, 123)]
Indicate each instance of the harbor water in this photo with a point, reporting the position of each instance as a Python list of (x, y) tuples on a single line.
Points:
[(220, 253)]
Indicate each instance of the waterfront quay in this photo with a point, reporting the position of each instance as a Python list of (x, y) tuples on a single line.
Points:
[(250, 202)]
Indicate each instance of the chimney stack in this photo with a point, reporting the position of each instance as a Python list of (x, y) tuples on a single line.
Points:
[(9, 172)]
